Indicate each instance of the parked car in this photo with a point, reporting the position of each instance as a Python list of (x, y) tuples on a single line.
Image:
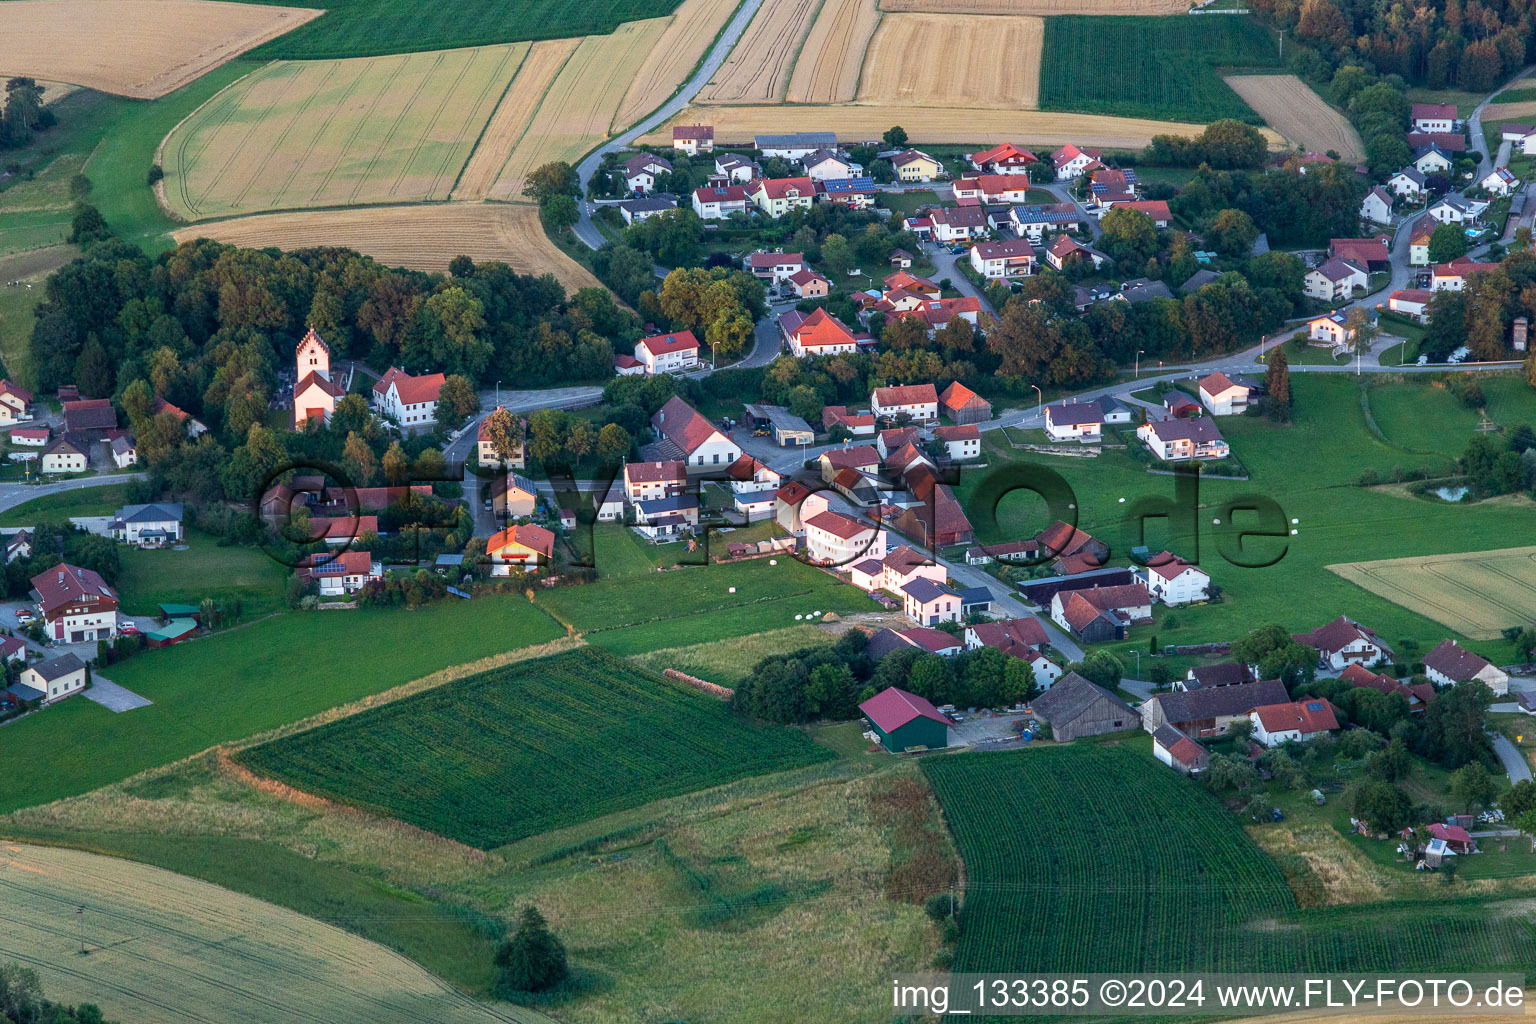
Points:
[(129, 629), (24, 616)]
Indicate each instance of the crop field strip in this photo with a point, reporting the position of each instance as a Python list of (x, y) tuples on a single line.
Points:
[(512, 116), (992, 61), (1186, 891), (138, 48), (535, 746), (1295, 111), (758, 68), (736, 125), (691, 32), (1510, 111), (337, 133), (1477, 593), (579, 108), (827, 70), (171, 949), (1164, 67), (1037, 8), (420, 237)]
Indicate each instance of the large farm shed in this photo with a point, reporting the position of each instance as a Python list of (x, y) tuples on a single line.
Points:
[(1076, 707), (905, 721)]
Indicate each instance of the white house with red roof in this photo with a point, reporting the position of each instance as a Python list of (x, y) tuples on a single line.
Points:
[(1003, 261), (693, 138), (817, 334), (1223, 396), (1005, 158), (720, 202), (1073, 161), (76, 604), (315, 394), (895, 570), (807, 284), (839, 541), (777, 196), (1157, 209), (775, 267), (1433, 117), (958, 223), (627, 366), (963, 441), (1376, 207), (668, 353), (1344, 642), (31, 437), (859, 424), (1411, 302), (1453, 276), (920, 402), (1175, 749), (698, 443), (1174, 581), (1450, 664), (410, 401), (15, 404), (345, 572), (1298, 721), (523, 546), (794, 503), (994, 188), (903, 281), (647, 481)]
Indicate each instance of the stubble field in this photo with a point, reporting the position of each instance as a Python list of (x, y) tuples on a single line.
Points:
[(336, 133), (690, 33), (1509, 111), (170, 949), (425, 237), (758, 68), (990, 61), (834, 51), (1042, 8), (1477, 593), (138, 48), (1298, 113)]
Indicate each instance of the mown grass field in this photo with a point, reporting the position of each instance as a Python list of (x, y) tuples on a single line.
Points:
[(248, 680), (535, 746), (203, 570), (1312, 468), (1056, 906), (83, 501), (364, 28), (1165, 68)]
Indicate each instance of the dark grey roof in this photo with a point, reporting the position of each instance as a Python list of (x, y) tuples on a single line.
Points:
[(1227, 673), (1069, 697), (59, 667), (1218, 701), (168, 512), (24, 692), (886, 641), (1198, 279), (1143, 290), (975, 595), (672, 503), (794, 139), (925, 590), (647, 204)]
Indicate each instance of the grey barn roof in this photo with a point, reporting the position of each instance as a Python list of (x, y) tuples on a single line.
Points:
[(1069, 697), (1217, 701)]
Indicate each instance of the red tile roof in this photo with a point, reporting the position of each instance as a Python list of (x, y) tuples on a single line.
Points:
[(903, 281), (329, 527), (681, 424), (1337, 635), (780, 188), (328, 386), (1008, 633), (859, 457), (1006, 152), (1361, 250), (671, 471), (891, 709), (907, 394), (65, 583), (89, 414), (963, 432), (838, 524), (1434, 111), (793, 493), (1157, 209), (821, 329), (931, 640), (728, 194), (1305, 716), (1453, 660), (1217, 383), (662, 344), (1449, 833), (412, 390), (693, 131), (535, 538), (7, 388), (958, 396), (775, 259)]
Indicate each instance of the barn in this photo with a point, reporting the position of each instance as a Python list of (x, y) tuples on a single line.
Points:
[(905, 721), (173, 632), (1076, 707)]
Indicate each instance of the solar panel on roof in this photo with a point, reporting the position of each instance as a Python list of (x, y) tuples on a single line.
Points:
[(1314, 706)]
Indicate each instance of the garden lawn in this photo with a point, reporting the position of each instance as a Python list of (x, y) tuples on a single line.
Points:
[(81, 501), (1311, 468), (531, 747), (232, 573), (248, 680)]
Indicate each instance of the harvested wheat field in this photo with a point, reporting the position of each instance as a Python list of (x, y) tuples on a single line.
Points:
[(828, 68), (1039, 8), (938, 125), (512, 116), (336, 132), (138, 48), (1478, 593), (579, 107), (692, 30), (758, 69), (418, 237), (1300, 114), (170, 949), (991, 62), (1509, 111)]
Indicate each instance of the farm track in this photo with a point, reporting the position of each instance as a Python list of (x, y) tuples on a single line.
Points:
[(835, 51), (758, 68), (1287, 105), (996, 61)]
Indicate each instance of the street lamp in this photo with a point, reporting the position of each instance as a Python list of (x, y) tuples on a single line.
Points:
[(498, 394), (1138, 361), (1039, 399)]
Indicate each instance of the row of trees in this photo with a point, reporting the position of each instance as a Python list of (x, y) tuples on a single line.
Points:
[(23, 114)]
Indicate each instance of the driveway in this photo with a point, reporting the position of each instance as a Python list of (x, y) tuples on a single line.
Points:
[(1515, 764), (114, 698)]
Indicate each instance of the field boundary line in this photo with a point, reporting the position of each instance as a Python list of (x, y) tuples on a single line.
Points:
[(533, 116), (490, 113), (479, 139), (165, 207), (858, 80)]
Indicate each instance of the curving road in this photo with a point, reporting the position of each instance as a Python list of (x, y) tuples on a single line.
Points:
[(1475, 123)]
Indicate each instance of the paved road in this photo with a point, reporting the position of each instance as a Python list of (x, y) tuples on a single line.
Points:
[(1475, 125), (12, 495), (1515, 764)]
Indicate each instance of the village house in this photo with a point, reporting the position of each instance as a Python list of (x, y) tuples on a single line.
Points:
[(1064, 249), (1074, 421), (864, 458), (854, 193), (1180, 440), (717, 203), (1203, 677), (1409, 183), (485, 447), (1500, 182), (315, 394), (1102, 613), (693, 139), (808, 284), (1431, 159), (1223, 396), (887, 442), (775, 197), (817, 334), (1075, 707), (1209, 711), (929, 603), (958, 223), (839, 541), (1157, 209), (1418, 246), (924, 638), (1178, 751), (641, 170), (1011, 551), (1022, 638), (1142, 289), (520, 497), (1411, 302), (895, 570), (1331, 330), (124, 451), (76, 604), (1002, 159), (861, 424), (1433, 117), (407, 400), (915, 165), (902, 281), (194, 427), (1344, 641), (67, 453), (646, 481), (1449, 142), (30, 437), (668, 353), (1180, 406), (775, 267), (690, 437), (1453, 276), (937, 313), (1457, 209), (51, 680), (634, 211), (1376, 207), (342, 573), (826, 165), (1174, 581), (89, 417), (1417, 695), (903, 721), (522, 546), (1033, 222), (1109, 187), (1072, 161), (1002, 261), (962, 441), (937, 520), (962, 405), (992, 189), (664, 519), (1450, 664), (794, 503), (1292, 722), (147, 526), (628, 366), (18, 545), (15, 404), (918, 402), (1335, 280), (337, 530)]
